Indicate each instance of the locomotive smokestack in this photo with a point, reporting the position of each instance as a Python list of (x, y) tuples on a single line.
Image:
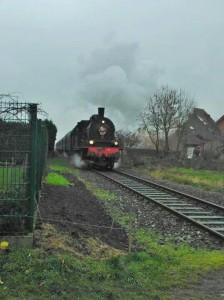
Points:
[(101, 111)]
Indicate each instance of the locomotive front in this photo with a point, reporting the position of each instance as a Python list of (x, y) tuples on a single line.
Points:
[(103, 146), (93, 141), (101, 130)]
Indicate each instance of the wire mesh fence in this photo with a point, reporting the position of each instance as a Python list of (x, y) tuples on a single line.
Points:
[(23, 145)]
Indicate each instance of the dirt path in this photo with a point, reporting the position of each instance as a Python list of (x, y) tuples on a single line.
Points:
[(77, 212)]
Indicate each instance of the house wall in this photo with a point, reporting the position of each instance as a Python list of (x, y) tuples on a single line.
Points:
[(220, 125)]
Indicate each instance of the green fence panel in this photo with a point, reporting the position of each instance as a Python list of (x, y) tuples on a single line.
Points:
[(21, 168)]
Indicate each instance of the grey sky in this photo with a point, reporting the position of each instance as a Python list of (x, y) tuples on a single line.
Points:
[(73, 56)]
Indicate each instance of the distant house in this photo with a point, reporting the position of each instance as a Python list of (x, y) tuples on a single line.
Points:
[(220, 124), (201, 135)]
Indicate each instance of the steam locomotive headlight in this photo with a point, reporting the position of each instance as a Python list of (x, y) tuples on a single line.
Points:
[(116, 143), (91, 142)]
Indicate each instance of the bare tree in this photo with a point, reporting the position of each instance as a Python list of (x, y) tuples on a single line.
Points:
[(184, 111), (150, 121), (167, 109), (127, 139)]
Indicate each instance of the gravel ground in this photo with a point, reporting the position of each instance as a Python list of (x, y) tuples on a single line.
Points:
[(210, 286), (151, 216), (200, 193)]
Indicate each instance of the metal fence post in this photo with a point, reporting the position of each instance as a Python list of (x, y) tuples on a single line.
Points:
[(33, 162)]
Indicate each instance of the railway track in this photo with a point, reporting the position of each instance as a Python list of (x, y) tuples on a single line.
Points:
[(204, 214)]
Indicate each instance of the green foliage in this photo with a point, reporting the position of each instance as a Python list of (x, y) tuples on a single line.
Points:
[(10, 175), (14, 136), (57, 168), (143, 275), (12, 187), (56, 179), (52, 131)]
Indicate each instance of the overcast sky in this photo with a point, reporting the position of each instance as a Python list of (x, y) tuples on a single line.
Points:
[(73, 56)]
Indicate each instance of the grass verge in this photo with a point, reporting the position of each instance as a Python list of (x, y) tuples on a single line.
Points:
[(209, 180), (56, 179), (61, 274), (147, 274)]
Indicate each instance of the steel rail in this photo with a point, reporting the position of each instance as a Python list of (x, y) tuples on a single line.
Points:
[(150, 191), (156, 185)]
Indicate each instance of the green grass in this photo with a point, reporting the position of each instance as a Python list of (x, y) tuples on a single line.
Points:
[(146, 274), (56, 179), (10, 175), (62, 166), (35, 274), (209, 180), (105, 195), (61, 169), (100, 193), (58, 167)]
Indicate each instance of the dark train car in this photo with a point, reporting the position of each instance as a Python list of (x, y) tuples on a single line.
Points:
[(93, 140)]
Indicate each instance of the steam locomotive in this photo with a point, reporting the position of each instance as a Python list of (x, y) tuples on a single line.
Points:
[(93, 140)]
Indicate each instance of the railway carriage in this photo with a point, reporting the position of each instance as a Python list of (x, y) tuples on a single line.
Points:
[(93, 140)]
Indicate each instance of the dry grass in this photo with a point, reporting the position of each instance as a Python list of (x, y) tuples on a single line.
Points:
[(50, 238)]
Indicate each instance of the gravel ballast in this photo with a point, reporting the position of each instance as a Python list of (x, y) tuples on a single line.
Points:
[(149, 215)]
